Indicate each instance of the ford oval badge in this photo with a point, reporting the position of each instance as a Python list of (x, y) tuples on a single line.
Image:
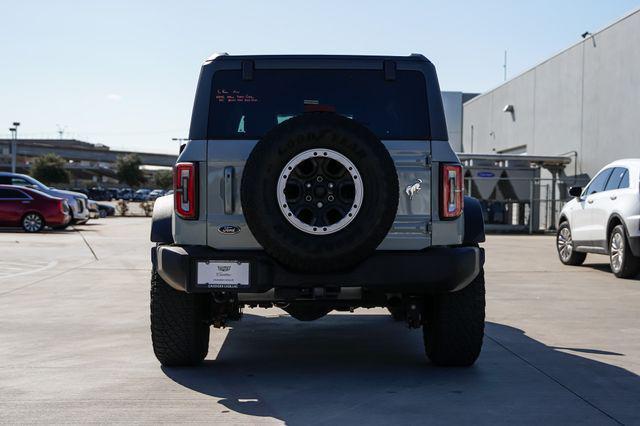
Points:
[(228, 229), (486, 174)]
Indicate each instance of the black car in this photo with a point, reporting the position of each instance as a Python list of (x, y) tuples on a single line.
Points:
[(99, 194), (125, 194), (113, 193), (106, 210)]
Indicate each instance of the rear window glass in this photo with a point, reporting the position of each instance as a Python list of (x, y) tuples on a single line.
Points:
[(624, 182), (11, 180), (395, 109), (616, 178), (11, 194)]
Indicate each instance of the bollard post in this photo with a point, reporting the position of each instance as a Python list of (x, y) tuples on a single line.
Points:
[(554, 178), (531, 209)]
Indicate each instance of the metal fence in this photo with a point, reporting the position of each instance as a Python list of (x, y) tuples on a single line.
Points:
[(539, 210)]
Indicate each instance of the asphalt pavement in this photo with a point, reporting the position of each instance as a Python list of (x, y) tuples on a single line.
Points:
[(562, 346)]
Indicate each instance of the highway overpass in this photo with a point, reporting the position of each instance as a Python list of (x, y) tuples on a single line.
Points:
[(91, 155)]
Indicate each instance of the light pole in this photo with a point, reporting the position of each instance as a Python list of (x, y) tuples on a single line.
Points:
[(14, 144), (61, 130), (180, 140)]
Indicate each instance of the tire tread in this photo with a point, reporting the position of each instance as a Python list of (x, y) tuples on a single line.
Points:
[(179, 333), (630, 263), (576, 258), (454, 326)]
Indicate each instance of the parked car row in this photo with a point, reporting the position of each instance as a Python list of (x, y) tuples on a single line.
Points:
[(28, 203), (127, 194), (144, 194), (78, 202)]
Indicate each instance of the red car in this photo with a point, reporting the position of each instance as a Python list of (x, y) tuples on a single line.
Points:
[(31, 209)]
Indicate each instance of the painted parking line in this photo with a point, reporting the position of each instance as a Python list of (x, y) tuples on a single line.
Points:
[(5, 264), (16, 269)]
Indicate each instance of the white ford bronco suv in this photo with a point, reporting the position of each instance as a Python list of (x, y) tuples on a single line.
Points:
[(316, 183)]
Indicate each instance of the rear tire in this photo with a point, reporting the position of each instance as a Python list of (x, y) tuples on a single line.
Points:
[(32, 222), (623, 263), (179, 328), (454, 325), (565, 247)]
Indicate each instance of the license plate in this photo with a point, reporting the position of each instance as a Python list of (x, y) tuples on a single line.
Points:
[(222, 274)]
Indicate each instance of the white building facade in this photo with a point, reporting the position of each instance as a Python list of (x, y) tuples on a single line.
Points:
[(583, 102)]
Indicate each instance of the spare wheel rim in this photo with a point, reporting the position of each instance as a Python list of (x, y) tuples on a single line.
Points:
[(320, 191)]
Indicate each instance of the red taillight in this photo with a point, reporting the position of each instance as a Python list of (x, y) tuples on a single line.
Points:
[(184, 188), (451, 197)]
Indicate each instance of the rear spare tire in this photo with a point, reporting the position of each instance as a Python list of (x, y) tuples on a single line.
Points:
[(319, 192)]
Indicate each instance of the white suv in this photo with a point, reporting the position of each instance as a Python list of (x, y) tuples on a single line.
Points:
[(604, 218)]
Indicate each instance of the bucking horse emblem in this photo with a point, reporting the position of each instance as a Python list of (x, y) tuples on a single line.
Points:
[(412, 190)]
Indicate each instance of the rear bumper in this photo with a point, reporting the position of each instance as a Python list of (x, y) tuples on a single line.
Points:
[(58, 219), (434, 270)]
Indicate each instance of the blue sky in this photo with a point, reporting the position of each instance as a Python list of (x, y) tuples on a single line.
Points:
[(123, 73)]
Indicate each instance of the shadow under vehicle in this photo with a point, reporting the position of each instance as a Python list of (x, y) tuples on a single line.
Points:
[(368, 369)]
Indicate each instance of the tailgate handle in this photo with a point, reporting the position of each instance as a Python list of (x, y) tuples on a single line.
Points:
[(228, 190)]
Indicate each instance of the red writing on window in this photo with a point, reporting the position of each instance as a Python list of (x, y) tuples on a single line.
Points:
[(231, 96)]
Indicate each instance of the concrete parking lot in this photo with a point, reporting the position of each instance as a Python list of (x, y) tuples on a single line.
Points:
[(562, 346)]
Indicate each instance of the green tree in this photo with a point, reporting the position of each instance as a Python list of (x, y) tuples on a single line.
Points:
[(163, 179), (128, 170), (49, 169)]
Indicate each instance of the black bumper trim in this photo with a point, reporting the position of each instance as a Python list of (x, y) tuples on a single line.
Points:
[(434, 270)]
